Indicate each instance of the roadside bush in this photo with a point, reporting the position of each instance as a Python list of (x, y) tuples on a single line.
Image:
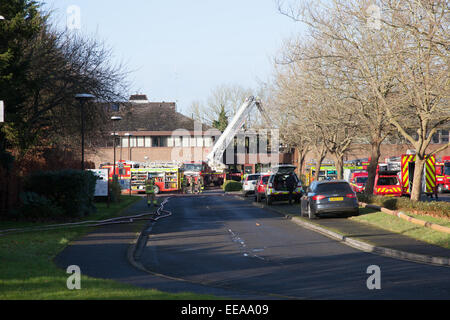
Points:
[(435, 208), (36, 207), (70, 190), (231, 185), (114, 190)]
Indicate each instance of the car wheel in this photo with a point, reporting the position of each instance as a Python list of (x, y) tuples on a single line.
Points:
[(440, 189), (156, 189), (258, 197)]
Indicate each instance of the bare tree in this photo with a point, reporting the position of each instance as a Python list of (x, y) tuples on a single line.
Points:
[(398, 52), (227, 98)]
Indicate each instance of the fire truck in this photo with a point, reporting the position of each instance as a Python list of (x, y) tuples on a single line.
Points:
[(133, 174), (387, 183), (201, 168), (443, 175), (357, 179), (326, 172), (167, 176), (122, 172), (407, 174)]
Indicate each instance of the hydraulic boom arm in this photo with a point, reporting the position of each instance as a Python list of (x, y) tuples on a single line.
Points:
[(214, 158)]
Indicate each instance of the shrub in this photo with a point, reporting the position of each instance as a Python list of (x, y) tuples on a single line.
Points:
[(70, 190), (114, 190), (231, 185), (35, 207)]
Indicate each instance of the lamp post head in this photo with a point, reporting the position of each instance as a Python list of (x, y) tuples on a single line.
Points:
[(84, 96), (116, 118), (2, 18)]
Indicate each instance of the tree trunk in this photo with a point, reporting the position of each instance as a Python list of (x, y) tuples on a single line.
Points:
[(372, 169), (339, 164), (416, 189), (321, 153)]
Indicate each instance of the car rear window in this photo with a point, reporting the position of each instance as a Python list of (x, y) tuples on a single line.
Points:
[(253, 177), (333, 187), (265, 179), (387, 181)]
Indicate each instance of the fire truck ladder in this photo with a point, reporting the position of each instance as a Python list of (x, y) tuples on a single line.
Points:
[(214, 158)]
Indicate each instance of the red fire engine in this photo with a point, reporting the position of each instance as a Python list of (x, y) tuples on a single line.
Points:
[(443, 175)]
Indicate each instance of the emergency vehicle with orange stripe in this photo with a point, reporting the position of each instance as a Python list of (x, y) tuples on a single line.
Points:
[(443, 175), (429, 174), (387, 183)]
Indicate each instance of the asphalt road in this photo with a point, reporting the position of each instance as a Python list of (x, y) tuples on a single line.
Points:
[(221, 242)]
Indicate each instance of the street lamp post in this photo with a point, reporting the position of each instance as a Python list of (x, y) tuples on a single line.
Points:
[(115, 119), (83, 98), (129, 157)]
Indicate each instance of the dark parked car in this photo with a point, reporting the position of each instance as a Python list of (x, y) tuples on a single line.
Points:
[(329, 197), (278, 184)]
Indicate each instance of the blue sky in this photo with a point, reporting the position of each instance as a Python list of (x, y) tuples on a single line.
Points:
[(180, 50)]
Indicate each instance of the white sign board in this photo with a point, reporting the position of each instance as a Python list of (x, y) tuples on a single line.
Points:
[(2, 111), (101, 188)]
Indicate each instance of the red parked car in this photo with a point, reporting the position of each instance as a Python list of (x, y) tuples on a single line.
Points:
[(260, 189)]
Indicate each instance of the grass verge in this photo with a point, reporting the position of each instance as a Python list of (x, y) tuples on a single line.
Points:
[(27, 270), (387, 222)]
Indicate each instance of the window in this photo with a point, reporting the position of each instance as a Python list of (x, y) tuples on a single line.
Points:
[(207, 142), (147, 142), (133, 142), (177, 141), (361, 180), (140, 142), (155, 142), (163, 141), (333, 187), (186, 141), (388, 181), (115, 107), (444, 136), (435, 138), (124, 142), (199, 141), (170, 141), (193, 142)]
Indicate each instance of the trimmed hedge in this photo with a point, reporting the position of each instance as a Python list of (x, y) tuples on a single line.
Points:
[(231, 185), (59, 194), (437, 208)]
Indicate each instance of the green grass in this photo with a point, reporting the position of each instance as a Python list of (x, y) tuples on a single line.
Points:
[(27, 270), (436, 208), (395, 224)]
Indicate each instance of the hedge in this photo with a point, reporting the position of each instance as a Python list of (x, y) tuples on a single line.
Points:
[(231, 185), (66, 193)]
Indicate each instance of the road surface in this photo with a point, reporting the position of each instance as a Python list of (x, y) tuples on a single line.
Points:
[(223, 242)]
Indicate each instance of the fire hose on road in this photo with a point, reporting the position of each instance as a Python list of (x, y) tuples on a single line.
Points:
[(160, 213)]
